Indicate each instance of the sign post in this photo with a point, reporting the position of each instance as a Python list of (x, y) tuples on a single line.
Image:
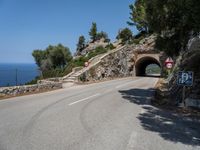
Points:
[(185, 79)]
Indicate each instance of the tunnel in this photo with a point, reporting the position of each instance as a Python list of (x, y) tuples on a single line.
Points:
[(143, 63)]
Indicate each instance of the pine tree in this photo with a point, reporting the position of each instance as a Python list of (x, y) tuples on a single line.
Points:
[(125, 35), (93, 32), (138, 16), (81, 44)]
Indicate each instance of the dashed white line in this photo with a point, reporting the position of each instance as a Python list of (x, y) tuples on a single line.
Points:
[(87, 98)]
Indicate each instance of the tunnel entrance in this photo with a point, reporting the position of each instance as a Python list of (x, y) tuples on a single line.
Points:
[(148, 66)]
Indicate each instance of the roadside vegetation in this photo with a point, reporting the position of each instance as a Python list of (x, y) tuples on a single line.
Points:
[(57, 61), (175, 22)]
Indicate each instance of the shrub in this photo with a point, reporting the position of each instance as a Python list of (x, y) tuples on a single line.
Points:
[(79, 61), (110, 46), (99, 50)]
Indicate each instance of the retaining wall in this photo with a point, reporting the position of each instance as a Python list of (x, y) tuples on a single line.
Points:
[(20, 90)]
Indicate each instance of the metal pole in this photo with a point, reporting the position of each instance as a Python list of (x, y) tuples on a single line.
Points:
[(16, 77), (183, 97), (168, 72)]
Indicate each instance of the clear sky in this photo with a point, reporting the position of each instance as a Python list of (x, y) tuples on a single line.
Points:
[(26, 25)]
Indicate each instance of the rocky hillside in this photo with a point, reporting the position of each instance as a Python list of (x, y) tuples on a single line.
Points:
[(118, 62), (188, 60), (91, 46)]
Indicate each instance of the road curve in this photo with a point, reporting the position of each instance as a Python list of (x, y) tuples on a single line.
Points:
[(113, 115)]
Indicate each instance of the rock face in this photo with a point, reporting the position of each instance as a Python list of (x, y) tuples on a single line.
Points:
[(188, 60), (20, 90), (117, 64)]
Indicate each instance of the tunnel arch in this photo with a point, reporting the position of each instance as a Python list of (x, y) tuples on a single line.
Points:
[(142, 63)]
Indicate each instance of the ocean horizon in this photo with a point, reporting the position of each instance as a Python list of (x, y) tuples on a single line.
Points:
[(12, 74)]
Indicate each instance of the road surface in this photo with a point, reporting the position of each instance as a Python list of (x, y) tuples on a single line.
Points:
[(113, 115)]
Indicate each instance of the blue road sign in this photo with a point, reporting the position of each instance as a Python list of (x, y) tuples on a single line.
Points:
[(185, 78)]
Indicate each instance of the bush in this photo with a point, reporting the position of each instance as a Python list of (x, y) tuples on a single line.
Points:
[(58, 72), (110, 46), (34, 81), (99, 50), (83, 77), (80, 61)]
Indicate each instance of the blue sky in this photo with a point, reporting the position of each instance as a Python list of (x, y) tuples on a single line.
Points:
[(26, 25)]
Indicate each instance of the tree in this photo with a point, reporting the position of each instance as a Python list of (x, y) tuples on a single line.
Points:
[(59, 55), (125, 35), (81, 44), (52, 57), (93, 32), (175, 21), (103, 35), (46, 65), (138, 15), (39, 55)]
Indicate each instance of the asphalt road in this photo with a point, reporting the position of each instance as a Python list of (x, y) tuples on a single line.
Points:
[(113, 115)]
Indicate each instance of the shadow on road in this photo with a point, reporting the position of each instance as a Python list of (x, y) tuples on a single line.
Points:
[(170, 126)]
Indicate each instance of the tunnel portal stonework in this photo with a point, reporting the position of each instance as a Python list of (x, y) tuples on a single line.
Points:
[(143, 60), (130, 60)]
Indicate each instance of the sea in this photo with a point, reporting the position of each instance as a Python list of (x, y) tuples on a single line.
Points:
[(12, 74)]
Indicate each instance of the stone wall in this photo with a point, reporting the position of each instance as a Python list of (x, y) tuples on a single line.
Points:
[(118, 64), (20, 90)]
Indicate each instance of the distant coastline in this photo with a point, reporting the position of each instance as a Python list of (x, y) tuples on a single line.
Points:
[(17, 73)]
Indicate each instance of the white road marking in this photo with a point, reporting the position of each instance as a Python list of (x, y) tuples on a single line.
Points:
[(122, 85), (132, 141), (87, 98)]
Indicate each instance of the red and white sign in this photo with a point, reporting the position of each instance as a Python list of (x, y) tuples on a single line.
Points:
[(86, 64), (169, 63)]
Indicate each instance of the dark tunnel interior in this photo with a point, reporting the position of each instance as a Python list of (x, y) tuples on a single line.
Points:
[(142, 64)]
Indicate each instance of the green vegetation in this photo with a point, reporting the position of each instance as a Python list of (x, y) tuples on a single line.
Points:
[(34, 81), (138, 16), (52, 57), (52, 60), (173, 21), (95, 35), (93, 32), (51, 64), (80, 61), (99, 50), (80, 45), (103, 35), (110, 46), (125, 35), (153, 69), (57, 61)]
